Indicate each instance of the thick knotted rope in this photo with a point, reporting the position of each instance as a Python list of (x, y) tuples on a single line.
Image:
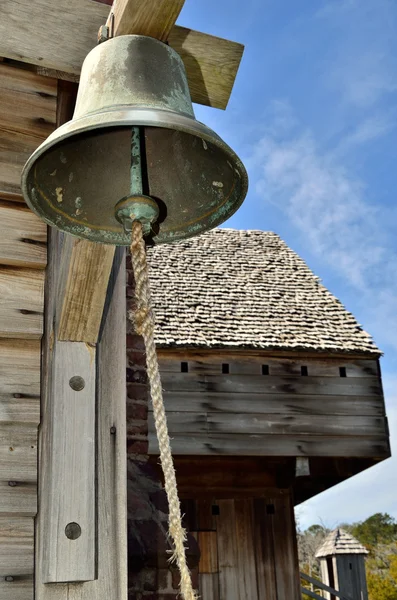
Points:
[(144, 325)]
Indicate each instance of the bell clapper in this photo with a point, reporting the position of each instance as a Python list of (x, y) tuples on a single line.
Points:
[(137, 206)]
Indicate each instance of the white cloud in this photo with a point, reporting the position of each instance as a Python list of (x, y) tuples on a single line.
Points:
[(329, 205), (368, 130), (324, 201)]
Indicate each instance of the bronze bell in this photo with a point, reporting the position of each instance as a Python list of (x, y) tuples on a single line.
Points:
[(134, 138)]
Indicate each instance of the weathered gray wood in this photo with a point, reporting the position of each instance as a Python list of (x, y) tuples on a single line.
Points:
[(207, 541), (227, 551), (21, 309), (67, 449), (16, 546), (112, 456), (264, 542), (84, 279), (18, 499), (246, 559), (322, 585), (22, 409), (18, 452), (20, 588), (350, 576), (275, 445), (27, 102), (70, 461), (209, 586), (273, 424), (252, 364), (211, 63), (285, 549), (180, 422), (111, 461), (325, 575), (23, 237), (286, 404), (14, 379), (279, 424), (27, 117), (307, 592), (267, 384)]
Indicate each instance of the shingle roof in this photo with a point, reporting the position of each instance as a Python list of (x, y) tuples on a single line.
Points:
[(247, 289), (340, 542)]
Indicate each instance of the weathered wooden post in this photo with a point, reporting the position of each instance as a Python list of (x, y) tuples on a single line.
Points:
[(342, 561)]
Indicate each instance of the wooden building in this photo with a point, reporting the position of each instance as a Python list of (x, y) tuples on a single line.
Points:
[(273, 394), (273, 390), (342, 562)]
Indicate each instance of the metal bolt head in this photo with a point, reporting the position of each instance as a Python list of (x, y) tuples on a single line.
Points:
[(103, 34), (77, 383), (73, 531)]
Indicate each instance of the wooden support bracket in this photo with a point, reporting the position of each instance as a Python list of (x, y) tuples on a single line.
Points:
[(58, 43), (155, 18), (86, 268), (69, 527), (81, 525)]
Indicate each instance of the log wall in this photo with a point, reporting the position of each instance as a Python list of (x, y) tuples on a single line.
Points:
[(252, 404), (27, 117)]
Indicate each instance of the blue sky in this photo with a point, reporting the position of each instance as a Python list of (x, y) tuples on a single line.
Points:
[(313, 116)]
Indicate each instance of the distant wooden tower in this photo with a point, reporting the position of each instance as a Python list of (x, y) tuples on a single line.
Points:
[(342, 560)]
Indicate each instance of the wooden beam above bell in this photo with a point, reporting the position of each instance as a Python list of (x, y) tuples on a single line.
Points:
[(56, 36), (155, 18)]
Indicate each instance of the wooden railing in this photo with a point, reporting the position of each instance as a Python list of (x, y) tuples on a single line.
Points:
[(322, 586)]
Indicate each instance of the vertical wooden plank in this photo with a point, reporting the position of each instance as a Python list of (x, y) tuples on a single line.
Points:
[(69, 553), (336, 574), (227, 551), (264, 553), (207, 541), (325, 576), (206, 520), (362, 576), (209, 586), (208, 566), (246, 563), (111, 573), (84, 287), (285, 550), (112, 456)]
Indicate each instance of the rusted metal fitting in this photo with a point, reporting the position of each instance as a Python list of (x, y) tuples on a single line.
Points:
[(137, 208), (103, 34)]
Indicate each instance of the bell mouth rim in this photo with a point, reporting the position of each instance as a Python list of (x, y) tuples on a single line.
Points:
[(136, 117)]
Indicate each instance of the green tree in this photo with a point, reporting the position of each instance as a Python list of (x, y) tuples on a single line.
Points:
[(381, 587), (380, 528), (393, 567)]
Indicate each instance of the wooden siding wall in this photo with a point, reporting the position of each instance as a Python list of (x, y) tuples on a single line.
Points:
[(27, 116), (257, 405), (248, 549), (350, 576)]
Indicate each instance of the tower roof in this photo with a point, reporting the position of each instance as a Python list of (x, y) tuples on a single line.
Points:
[(340, 542)]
